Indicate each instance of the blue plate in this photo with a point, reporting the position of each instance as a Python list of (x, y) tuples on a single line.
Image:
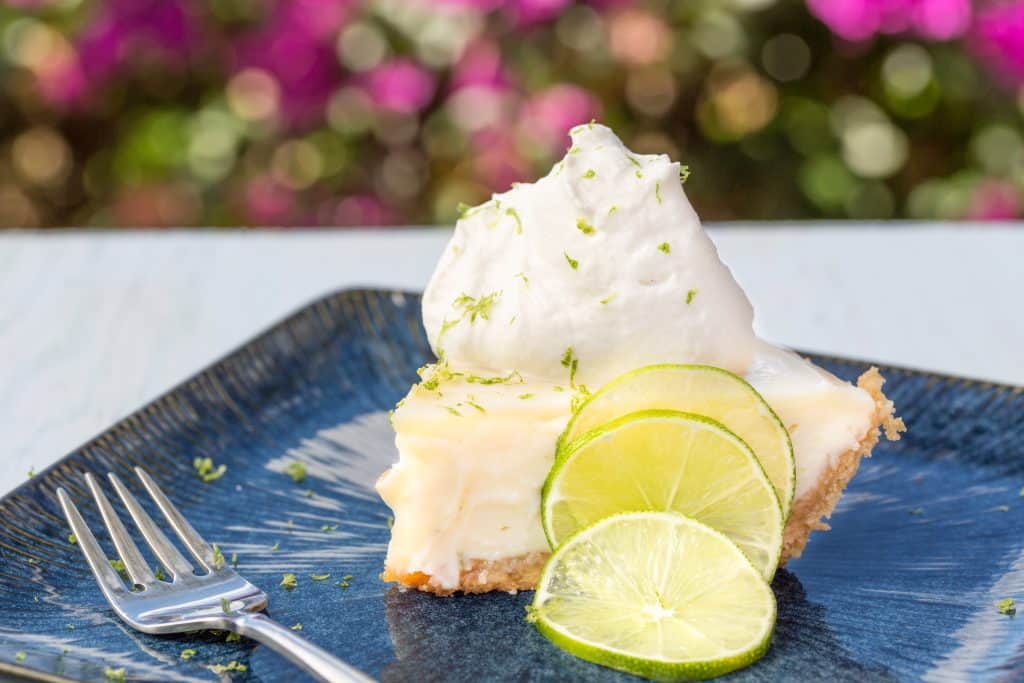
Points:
[(924, 543)]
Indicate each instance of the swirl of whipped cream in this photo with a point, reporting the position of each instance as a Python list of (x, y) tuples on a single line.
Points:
[(597, 268)]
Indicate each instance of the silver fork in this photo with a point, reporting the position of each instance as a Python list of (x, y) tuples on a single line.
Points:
[(219, 599)]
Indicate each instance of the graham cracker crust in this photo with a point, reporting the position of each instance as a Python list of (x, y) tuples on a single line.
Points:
[(513, 574), (809, 510)]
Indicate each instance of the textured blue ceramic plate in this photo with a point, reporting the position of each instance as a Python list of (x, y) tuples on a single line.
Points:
[(926, 540)]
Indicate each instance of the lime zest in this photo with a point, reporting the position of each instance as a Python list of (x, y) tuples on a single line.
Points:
[(583, 226), (297, 471), (476, 307), (519, 223)]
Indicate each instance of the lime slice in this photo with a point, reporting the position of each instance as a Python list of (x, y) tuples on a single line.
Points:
[(665, 460), (656, 594), (701, 389)]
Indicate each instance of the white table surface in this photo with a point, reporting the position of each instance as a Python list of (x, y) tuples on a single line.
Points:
[(95, 324)]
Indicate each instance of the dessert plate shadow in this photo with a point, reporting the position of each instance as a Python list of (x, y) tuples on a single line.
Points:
[(904, 587)]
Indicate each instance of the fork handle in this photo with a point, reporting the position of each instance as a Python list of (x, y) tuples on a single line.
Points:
[(322, 664)]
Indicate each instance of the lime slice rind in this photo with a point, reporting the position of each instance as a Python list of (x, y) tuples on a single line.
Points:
[(613, 591), (701, 389), (666, 460)]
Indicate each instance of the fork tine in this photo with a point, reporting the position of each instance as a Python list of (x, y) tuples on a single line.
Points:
[(193, 541), (169, 556), (105, 575), (136, 566)]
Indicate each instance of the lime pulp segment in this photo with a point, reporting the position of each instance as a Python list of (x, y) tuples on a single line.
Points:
[(664, 460), (655, 594), (701, 389)]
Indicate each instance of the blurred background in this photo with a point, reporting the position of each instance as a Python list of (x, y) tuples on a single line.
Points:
[(389, 112)]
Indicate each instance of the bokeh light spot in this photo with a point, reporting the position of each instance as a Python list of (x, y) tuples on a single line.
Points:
[(997, 149), (651, 91), (581, 28), (350, 111), (639, 38), (874, 149), (786, 57), (296, 164), (253, 95), (361, 46), (907, 70), (41, 156), (717, 35)]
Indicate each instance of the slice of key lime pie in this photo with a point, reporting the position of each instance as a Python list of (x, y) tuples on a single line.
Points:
[(545, 294)]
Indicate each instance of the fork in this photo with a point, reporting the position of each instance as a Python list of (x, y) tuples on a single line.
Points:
[(217, 599)]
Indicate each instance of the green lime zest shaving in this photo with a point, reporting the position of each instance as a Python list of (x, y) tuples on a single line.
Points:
[(297, 471), (476, 307), (569, 360), (573, 263), (519, 223), (684, 173), (1007, 606), (206, 471), (187, 654), (289, 582), (319, 577), (591, 173), (657, 191), (583, 226), (524, 397), (665, 247), (218, 557), (689, 295)]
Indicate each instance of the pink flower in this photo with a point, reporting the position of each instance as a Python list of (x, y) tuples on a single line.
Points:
[(994, 200), (859, 20), (530, 12), (401, 85), (999, 40), (480, 66), (498, 161), (364, 210), (268, 203), (548, 115), (295, 46)]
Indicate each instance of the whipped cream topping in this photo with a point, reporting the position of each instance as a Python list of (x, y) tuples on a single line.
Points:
[(604, 255)]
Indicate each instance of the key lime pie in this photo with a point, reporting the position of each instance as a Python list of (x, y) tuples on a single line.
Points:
[(561, 305)]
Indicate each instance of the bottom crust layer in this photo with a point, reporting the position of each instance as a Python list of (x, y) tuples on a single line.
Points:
[(511, 574)]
